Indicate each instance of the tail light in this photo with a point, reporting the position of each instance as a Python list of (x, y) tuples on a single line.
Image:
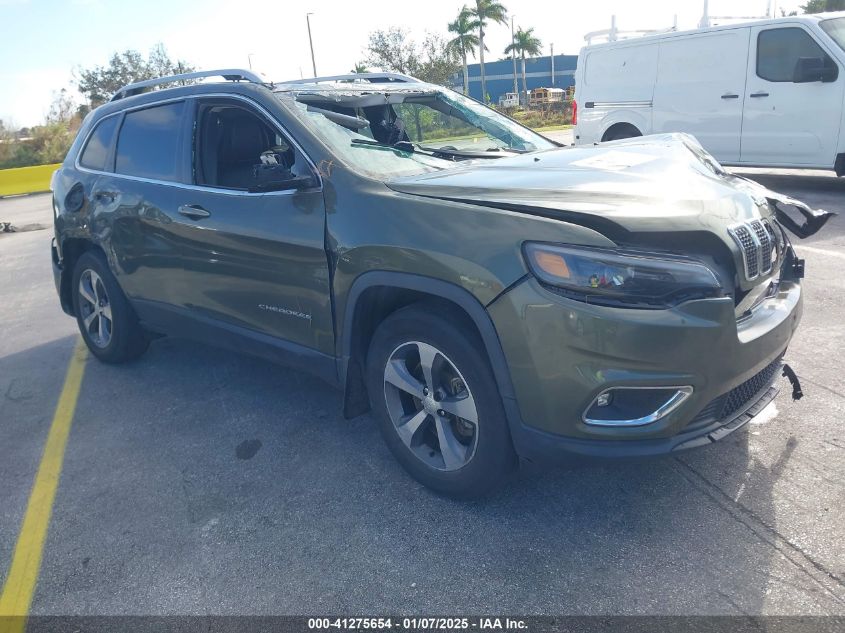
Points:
[(574, 112)]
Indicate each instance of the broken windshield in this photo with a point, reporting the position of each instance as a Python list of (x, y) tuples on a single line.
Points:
[(403, 132)]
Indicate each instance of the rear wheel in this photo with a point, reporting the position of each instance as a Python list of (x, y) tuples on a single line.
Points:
[(105, 318), (437, 402)]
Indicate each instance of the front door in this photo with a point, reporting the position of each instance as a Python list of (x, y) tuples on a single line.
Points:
[(253, 260), (784, 122)]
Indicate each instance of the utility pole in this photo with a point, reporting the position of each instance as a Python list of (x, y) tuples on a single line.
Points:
[(311, 42), (513, 58), (552, 57), (249, 59)]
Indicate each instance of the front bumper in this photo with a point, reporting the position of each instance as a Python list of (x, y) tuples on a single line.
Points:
[(562, 353)]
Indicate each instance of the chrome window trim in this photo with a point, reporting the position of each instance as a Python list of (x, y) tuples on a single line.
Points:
[(682, 392), (190, 186)]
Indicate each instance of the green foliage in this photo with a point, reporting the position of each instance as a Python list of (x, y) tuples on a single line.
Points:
[(489, 11), (464, 26), (43, 144), (360, 67), (525, 44), (392, 50), (822, 6), (99, 83)]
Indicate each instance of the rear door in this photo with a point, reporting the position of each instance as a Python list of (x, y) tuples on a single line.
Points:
[(252, 261), (700, 89), (787, 123), (135, 203)]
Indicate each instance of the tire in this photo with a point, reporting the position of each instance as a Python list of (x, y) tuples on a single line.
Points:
[(106, 320), (618, 132), (479, 454)]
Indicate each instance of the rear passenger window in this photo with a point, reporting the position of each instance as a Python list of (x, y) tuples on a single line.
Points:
[(149, 142), (778, 51), (96, 151)]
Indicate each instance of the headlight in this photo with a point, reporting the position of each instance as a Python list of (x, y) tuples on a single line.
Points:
[(624, 278)]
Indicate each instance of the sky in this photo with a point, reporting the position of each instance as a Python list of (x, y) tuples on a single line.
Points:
[(43, 42)]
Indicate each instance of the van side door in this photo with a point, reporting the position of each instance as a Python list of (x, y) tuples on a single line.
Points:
[(700, 88), (790, 119)]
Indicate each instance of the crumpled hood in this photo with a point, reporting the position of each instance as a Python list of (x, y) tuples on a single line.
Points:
[(658, 183)]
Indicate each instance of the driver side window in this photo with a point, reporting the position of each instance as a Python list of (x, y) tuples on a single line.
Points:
[(235, 148)]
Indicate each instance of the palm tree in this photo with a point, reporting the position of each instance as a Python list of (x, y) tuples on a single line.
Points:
[(484, 11), (524, 43), (465, 40), (360, 67)]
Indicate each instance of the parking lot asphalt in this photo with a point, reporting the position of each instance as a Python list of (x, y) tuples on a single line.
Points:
[(198, 481)]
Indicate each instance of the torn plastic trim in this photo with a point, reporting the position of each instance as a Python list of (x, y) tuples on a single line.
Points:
[(815, 219)]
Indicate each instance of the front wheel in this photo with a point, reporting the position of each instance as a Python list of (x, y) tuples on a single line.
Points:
[(437, 402)]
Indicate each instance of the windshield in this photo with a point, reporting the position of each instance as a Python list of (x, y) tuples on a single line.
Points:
[(835, 27), (405, 132)]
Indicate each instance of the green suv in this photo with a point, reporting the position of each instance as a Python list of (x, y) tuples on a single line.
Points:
[(487, 293)]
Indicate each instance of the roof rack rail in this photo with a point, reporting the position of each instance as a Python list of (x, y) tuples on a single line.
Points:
[(370, 77), (229, 74)]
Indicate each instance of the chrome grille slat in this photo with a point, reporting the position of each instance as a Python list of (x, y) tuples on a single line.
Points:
[(760, 247), (765, 246)]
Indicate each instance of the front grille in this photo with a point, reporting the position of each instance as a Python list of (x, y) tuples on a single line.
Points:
[(741, 395), (759, 245), (723, 407)]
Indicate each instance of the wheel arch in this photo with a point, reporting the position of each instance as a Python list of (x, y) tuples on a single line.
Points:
[(375, 295), (72, 249), (620, 126)]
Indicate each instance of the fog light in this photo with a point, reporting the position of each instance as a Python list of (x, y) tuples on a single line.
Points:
[(634, 406)]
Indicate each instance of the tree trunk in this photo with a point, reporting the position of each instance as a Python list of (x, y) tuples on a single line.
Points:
[(524, 84), (466, 74)]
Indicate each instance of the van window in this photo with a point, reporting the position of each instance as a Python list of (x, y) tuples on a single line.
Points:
[(148, 143), (96, 151), (778, 51)]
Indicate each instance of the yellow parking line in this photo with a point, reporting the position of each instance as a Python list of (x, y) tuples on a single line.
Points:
[(26, 560)]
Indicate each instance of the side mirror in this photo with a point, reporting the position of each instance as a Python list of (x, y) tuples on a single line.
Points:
[(810, 69), (278, 178)]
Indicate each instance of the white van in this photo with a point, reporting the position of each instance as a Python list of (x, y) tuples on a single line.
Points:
[(766, 93)]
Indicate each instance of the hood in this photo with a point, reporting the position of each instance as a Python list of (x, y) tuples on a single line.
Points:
[(660, 183)]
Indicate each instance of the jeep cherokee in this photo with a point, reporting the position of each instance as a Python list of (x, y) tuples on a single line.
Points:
[(487, 293)]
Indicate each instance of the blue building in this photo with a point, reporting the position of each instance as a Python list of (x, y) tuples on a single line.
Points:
[(538, 74)]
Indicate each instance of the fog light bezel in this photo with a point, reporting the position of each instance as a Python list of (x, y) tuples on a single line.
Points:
[(682, 393)]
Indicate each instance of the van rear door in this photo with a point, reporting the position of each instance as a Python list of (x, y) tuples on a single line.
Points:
[(700, 88), (785, 122)]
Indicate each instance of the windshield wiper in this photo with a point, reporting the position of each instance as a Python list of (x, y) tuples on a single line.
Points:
[(491, 152), (401, 146)]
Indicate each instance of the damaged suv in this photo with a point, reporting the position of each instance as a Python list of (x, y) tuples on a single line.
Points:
[(487, 293)]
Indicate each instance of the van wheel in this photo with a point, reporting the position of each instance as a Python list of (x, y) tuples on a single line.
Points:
[(437, 403), (106, 320), (620, 131)]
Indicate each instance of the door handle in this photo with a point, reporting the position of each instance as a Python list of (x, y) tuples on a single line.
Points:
[(759, 94), (730, 96), (193, 211)]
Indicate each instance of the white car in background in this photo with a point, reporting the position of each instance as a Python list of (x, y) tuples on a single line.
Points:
[(764, 93)]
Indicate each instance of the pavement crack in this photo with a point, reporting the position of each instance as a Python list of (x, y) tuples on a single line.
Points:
[(821, 386), (830, 582)]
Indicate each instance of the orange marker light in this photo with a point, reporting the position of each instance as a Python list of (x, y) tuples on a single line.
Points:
[(552, 263)]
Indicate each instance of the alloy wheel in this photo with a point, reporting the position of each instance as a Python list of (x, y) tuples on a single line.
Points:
[(431, 406), (95, 308)]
